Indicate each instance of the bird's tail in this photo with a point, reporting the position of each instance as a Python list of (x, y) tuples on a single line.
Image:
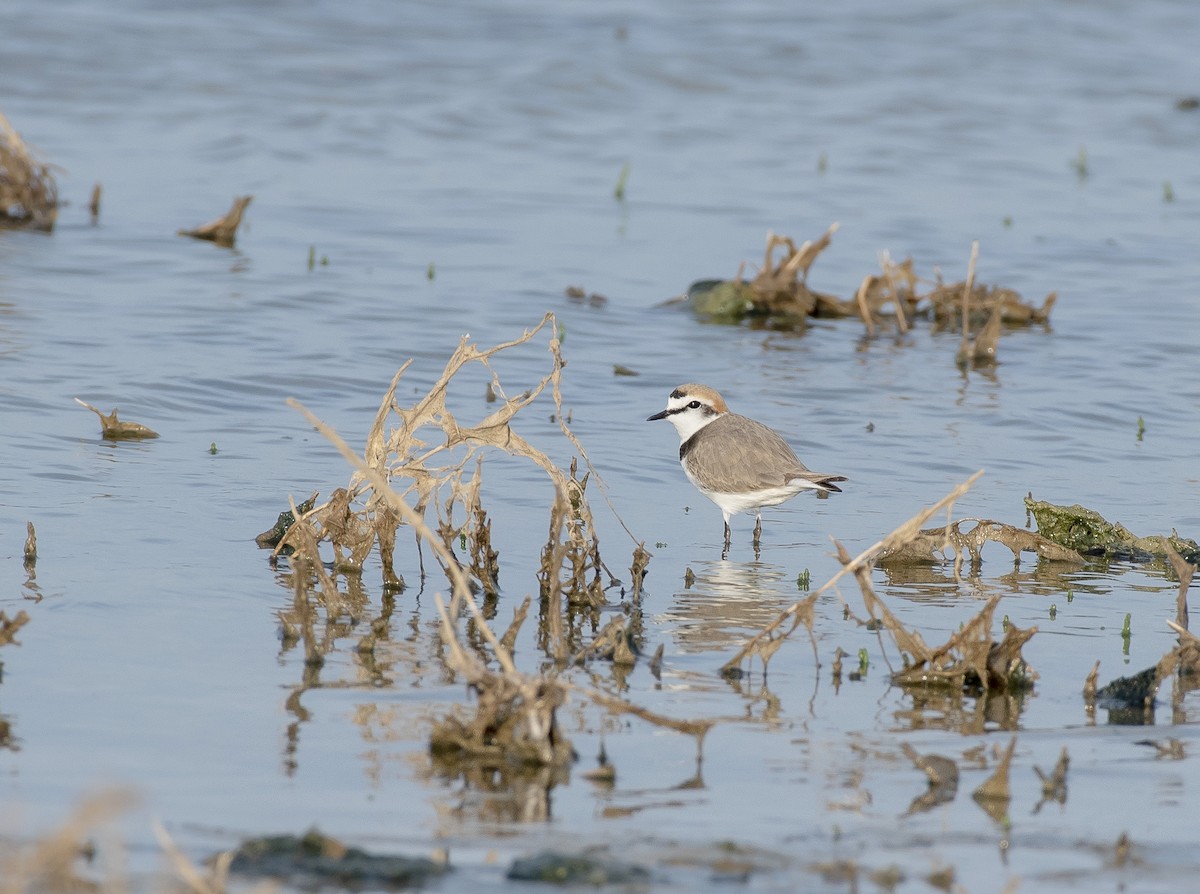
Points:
[(822, 482)]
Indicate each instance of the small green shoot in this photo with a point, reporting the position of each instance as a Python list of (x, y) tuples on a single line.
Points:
[(1141, 428), (803, 579), (864, 661), (1070, 596), (1008, 222), (430, 272), (1127, 629), (659, 544), (1053, 611), (1004, 624), (1168, 192), (312, 258), (212, 448), (622, 179), (1080, 164), (822, 163)]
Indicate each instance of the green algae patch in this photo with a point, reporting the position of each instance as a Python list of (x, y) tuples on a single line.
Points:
[(576, 869), (271, 537), (314, 858), (721, 300), (1086, 531)]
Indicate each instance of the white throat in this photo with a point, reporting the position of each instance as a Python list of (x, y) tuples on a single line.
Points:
[(689, 422)]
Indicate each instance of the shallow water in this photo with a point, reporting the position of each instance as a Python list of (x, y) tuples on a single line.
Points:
[(486, 141)]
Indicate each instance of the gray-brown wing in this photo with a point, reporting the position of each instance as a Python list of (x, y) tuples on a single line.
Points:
[(741, 455)]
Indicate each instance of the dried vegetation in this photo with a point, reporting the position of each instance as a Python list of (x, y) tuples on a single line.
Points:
[(971, 660), (115, 429), (895, 299), (1132, 699), (422, 467), (28, 192)]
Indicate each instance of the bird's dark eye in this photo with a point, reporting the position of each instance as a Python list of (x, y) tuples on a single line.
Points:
[(694, 405)]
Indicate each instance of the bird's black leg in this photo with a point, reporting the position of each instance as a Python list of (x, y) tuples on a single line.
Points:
[(757, 530), (725, 552)]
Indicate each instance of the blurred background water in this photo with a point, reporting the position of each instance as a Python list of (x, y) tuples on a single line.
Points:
[(455, 165)]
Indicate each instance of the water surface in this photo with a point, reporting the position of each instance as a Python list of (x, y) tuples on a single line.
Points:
[(483, 143)]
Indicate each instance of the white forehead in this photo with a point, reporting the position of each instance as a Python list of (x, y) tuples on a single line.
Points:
[(685, 394)]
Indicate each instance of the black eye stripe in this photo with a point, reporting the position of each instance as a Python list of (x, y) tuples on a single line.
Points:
[(694, 405)]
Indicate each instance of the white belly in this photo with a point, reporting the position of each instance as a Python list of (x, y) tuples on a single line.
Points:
[(734, 504)]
